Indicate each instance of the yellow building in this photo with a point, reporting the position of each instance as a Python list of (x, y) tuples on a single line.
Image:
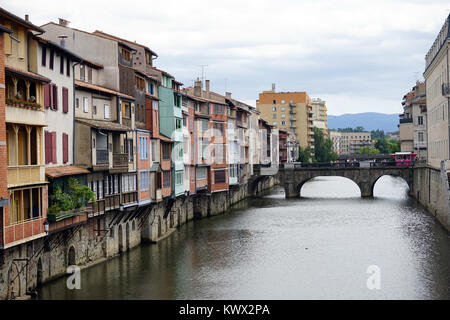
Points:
[(289, 111), (25, 119), (319, 109)]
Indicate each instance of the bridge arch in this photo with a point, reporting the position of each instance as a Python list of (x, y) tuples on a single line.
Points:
[(255, 183), (300, 185), (377, 178)]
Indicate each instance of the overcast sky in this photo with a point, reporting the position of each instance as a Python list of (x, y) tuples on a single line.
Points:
[(359, 56)]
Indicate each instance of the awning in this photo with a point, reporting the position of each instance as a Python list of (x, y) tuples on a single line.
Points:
[(105, 125), (155, 167), (57, 172)]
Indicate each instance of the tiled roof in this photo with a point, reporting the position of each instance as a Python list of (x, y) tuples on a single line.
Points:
[(27, 74), (106, 125), (20, 20), (62, 171), (102, 89)]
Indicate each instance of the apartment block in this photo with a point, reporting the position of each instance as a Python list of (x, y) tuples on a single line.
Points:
[(319, 110), (289, 111)]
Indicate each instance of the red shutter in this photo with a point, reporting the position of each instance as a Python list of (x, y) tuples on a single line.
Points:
[(53, 147), (65, 139), (47, 147), (65, 94), (47, 96), (55, 96)]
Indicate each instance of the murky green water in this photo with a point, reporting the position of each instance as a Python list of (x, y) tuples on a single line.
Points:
[(316, 247)]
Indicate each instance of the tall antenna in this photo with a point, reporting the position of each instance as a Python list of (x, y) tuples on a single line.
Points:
[(203, 72)]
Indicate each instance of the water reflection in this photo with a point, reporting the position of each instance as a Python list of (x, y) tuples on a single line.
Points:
[(315, 247)]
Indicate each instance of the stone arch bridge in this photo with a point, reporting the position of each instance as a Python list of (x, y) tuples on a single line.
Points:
[(294, 176)]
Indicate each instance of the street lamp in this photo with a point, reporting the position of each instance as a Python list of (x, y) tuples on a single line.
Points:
[(46, 226)]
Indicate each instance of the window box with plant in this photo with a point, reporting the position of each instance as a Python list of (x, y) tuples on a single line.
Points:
[(69, 204), (17, 102)]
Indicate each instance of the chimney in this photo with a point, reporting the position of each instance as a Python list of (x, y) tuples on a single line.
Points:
[(198, 88), (273, 87), (27, 17), (228, 95), (62, 40), (63, 22), (207, 85)]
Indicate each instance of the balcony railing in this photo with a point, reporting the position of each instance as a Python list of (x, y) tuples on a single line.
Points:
[(102, 156), (406, 120), (420, 144), (25, 175), (120, 160)]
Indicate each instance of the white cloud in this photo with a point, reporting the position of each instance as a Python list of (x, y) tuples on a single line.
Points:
[(358, 55)]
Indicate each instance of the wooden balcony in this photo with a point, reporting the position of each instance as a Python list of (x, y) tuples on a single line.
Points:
[(120, 160), (25, 175), (129, 197), (30, 116)]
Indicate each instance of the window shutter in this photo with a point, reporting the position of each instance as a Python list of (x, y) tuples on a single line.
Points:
[(68, 67), (47, 147), (65, 94), (55, 97), (65, 139), (61, 64), (53, 159), (47, 96)]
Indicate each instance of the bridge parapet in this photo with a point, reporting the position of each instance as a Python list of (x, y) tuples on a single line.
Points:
[(295, 176)]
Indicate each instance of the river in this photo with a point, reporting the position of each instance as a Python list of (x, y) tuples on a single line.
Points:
[(319, 246)]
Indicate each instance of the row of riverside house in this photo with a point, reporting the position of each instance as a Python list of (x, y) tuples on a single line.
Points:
[(92, 106)]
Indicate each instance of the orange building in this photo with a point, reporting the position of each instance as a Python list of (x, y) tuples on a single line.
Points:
[(290, 111)]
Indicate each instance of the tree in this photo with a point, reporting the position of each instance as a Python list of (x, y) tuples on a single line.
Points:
[(323, 147), (377, 134), (368, 150), (383, 145), (359, 129), (304, 154), (393, 146)]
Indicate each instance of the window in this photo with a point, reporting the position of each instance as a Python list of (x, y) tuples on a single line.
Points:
[(274, 101), (203, 152), (128, 182), (218, 109), (201, 173), (61, 64), (129, 149), (203, 125), (144, 181), (107, 111), (151, 88), (140, 83), (166, 179), (85, 104), (143, 148), (219, 176), (177, 123), (420, 120), (77, 102), (274, 109), (153, 150), (233, 171), (219, 129), (82, 72), (94, 109), (155, 104), (274, 116), (68, 67), (89, 69), (126, 110), (420, 136), (274, 123), (126, 55), (179, 177), (219, 152), (65, 98), (283, 115), (283, 123), (166, 151), (283, 108), (184, 121), (44, 56), (52, 56)]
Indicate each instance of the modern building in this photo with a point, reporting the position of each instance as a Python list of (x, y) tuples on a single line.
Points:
[(347, 143), (288, 111), (437, 82), (319, 110), (413, 122)]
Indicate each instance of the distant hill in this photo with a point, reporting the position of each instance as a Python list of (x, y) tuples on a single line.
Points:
[(368, 120)]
